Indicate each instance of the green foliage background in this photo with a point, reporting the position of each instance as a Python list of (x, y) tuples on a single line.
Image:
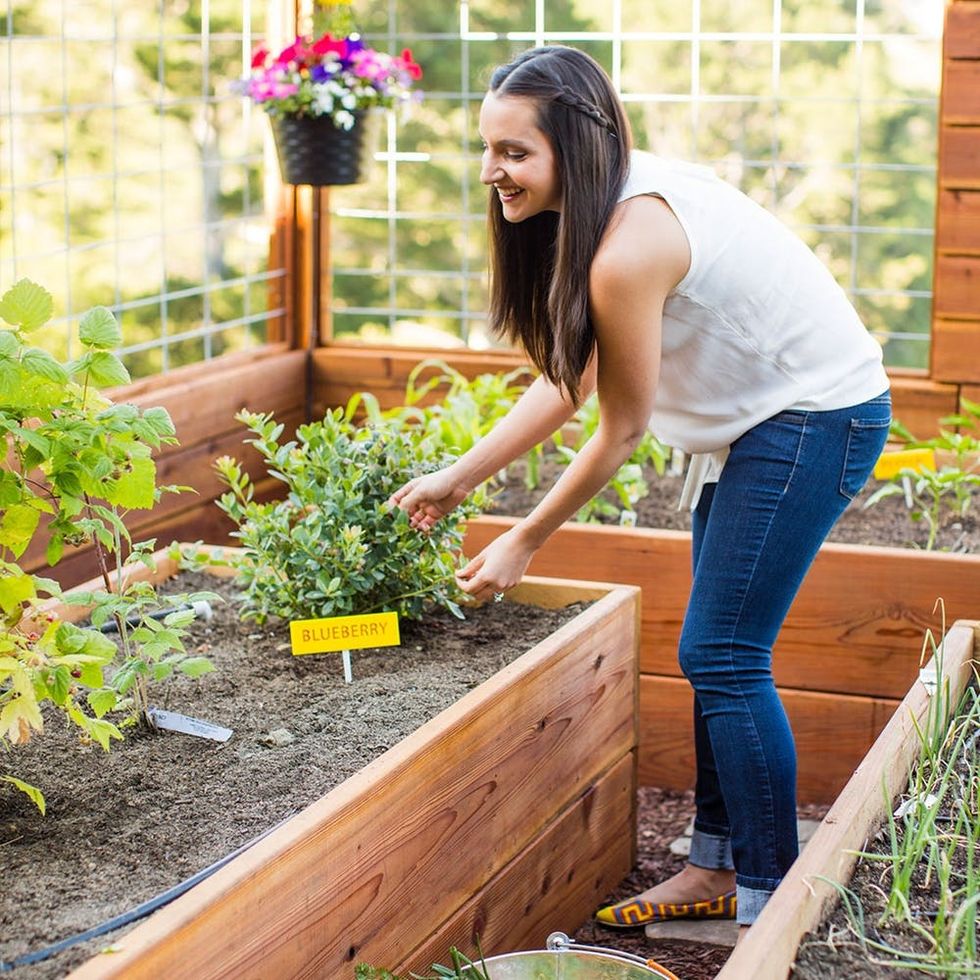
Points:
[(157, 176)]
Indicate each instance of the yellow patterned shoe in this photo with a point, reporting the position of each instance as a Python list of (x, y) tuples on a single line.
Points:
[(634, 913)]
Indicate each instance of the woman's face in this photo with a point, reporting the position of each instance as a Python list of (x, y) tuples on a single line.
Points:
[(518, 159)]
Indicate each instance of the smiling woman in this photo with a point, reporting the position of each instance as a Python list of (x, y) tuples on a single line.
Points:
[(517, 158), (693, 311)]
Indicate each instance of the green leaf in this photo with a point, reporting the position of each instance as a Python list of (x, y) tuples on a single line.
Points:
[(196, 666), (33, 793), (106, 369), (160, 421), (97, 644), (9, 345), (58, 683), (134, 490), (98, 329), (26, 305), (55, 549), (11, 389), (32, 438), (102, 701), (17, 527), (41, 363)]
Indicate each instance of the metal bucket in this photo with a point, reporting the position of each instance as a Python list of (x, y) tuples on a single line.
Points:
[(566, 960)]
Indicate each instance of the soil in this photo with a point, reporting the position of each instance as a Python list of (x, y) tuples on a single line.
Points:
[(161, 807), (887, 522)]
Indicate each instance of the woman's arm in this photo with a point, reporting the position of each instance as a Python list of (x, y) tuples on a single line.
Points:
[(642, 258), (538, 413)]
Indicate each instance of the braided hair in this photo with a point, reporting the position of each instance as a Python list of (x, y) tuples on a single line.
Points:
[(539, 268)]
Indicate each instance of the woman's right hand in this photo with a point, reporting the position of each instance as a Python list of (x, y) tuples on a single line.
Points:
[(427, 498)]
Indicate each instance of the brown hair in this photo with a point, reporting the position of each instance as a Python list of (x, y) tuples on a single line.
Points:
[(539, 268)]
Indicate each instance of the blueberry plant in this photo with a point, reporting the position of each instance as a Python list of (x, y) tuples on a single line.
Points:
[(333, 547), (78, 463)]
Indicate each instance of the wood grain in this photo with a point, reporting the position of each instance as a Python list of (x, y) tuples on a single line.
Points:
[(955, 350), (849, 724), (960, 102), (555, 884), (959, 157), (799, 902), (856, 627), (961, 37), (958, 222), (957, 285)]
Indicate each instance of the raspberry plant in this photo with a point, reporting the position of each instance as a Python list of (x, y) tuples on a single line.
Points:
[(79, 462)]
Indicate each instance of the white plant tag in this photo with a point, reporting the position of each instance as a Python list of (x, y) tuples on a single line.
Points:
[(171, 721), (927, 676)]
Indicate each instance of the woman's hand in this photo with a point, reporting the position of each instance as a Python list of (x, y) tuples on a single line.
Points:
[(427, 498), (499, 567)]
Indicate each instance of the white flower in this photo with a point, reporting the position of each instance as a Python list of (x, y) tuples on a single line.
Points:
[(349, 101), (344, 119), (322, 100)]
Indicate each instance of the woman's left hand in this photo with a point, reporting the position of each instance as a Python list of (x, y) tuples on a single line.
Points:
[(499, 567)]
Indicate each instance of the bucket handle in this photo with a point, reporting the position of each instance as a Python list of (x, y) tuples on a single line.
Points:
[(558, 942)]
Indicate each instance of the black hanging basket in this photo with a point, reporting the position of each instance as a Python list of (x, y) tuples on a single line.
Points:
[(314, 151)]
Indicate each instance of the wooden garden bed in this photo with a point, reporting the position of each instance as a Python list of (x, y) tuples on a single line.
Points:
[(846, 656), (510, 814), (805, 894)]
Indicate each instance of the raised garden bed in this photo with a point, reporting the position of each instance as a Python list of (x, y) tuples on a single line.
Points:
[(807, 892), (846, 655), (510, 813)]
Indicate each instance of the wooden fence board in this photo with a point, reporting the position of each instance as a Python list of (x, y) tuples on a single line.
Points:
[(919, 402), (206, 407), (958, 222), (961, 37), (832, 731), (959, 157), (955, 350), (957, 285), (960, 103), (583, 855), (797, 905), (855, 628)]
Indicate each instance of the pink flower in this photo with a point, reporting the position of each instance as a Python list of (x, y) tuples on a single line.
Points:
[(327, 45), (263, 90), (407, 63), (259, 56)]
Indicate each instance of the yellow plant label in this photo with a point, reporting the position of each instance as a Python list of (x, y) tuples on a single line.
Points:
[(344, 633), (904, 459)]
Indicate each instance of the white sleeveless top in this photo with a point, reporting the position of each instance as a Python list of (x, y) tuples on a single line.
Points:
[(758, 324)]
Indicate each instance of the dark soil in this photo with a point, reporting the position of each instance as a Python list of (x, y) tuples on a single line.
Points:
[(887, 522), (160, 808)]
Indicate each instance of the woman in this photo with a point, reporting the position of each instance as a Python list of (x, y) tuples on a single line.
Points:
[(690, 309)]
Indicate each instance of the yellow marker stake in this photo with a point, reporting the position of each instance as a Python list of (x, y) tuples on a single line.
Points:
[(904, 459), (343, 634)]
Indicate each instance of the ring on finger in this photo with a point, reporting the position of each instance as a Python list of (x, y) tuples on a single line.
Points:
[(498, 597)]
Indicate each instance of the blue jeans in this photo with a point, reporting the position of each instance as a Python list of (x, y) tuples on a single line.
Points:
[(756, 533)]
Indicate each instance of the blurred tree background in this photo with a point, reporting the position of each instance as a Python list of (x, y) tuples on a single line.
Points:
[(133, 176)]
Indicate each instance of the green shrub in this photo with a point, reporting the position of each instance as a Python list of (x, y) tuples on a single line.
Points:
[(332, 547)]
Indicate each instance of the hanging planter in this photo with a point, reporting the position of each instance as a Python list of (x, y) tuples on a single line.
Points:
[(313, 150), (320, 95)]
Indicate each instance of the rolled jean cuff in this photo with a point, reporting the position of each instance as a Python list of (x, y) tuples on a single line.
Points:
[(711, 851), (750, 902)]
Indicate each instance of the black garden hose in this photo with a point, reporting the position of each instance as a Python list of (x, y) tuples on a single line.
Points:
[(134, 914)]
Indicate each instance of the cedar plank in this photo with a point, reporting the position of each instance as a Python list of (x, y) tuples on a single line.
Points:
[(554, 884), (849, 724)]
